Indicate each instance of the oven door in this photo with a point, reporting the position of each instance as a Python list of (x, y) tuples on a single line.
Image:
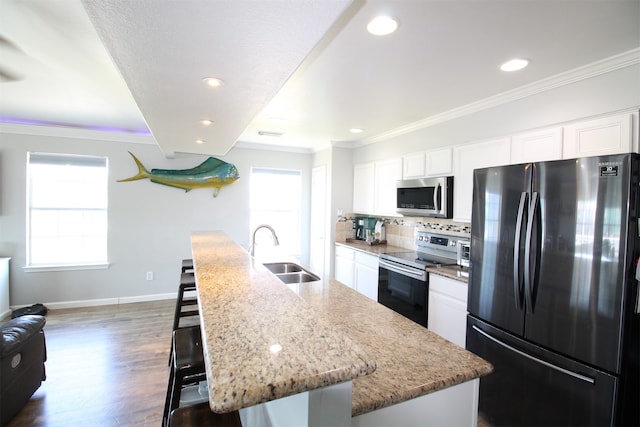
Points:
[(403, 290)]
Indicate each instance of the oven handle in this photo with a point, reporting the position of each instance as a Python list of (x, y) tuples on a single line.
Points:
[(416, 274)]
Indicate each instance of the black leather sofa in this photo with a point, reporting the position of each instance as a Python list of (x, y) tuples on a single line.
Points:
[(22, 356)]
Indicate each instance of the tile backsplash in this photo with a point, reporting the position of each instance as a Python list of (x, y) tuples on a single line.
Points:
[(400, 231)]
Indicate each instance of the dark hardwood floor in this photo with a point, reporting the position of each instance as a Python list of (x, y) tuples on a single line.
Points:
[(106, 366)]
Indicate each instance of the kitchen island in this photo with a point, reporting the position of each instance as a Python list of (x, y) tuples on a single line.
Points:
[(265, 341)]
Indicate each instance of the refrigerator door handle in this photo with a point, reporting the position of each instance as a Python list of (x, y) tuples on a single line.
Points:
[(528, 285), (517, 282), (535, 359)]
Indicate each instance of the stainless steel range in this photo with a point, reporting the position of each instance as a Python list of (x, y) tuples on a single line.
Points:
[(403, 280)]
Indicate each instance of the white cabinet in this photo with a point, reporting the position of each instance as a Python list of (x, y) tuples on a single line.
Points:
[(606, 135), (448, 308), (374, 186), (344, 265), (363, 188), (387, 172), (357, 270), (468, 157), (414, 165), (366, 275), (427, 163), (439, 162), (537, 146)]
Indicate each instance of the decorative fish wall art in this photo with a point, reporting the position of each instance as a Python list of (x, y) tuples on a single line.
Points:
[(210, 173)]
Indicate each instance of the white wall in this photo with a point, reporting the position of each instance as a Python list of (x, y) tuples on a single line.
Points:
[(610, 92), (339, 164), (149, 224)]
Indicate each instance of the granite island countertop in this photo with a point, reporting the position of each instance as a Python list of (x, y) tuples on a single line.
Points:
[(261, 341), (245, 309)]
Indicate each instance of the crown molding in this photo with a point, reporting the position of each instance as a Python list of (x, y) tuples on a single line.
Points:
[(588, 71), (76, 133)]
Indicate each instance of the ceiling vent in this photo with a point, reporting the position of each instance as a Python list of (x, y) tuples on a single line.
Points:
[(272, 134)]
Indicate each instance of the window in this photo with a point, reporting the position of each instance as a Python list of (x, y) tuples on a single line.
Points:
[(67, 210), (276, 200)]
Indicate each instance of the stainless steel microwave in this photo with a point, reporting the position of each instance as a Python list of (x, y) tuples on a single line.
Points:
[(425, 197)]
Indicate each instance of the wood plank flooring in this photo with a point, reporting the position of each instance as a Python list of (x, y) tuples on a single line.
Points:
[(106, 366)]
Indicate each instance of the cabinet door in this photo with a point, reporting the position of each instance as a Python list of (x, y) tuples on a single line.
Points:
[(344, 266), (386, 174), (537, 146), (366, 275), (607, 135), (448, 309), (468, 157), (413, 166), (363, 188), (439, 162)]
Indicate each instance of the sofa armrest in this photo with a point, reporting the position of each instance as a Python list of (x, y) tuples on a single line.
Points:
[(15, 333)]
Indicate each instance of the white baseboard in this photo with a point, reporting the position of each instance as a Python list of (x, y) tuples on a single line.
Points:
[(104, 301), (5, 314)]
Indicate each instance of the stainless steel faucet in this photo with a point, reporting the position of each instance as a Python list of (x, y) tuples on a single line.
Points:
[(253, 238)]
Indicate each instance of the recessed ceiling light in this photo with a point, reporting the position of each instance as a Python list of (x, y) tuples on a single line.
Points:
[(382, 25), (514, 64), (199, 141), (206, 122), (213, 82), (356, 130)]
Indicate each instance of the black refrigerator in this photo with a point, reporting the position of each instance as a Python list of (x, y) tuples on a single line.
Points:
[(553, 293)]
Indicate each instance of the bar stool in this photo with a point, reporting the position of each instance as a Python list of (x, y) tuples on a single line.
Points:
[(200, 415), (187, 285), (187, 366), (187, 265)]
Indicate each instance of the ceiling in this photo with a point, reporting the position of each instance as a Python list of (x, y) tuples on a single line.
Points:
[(302, 71)]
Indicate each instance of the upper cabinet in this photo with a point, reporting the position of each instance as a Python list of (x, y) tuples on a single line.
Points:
[(374, 183), (606, 135), (414, 165), (439, 162), (363, 187), (468, 157), (387, 172), (537, 146), (374, 187), (427, 163)]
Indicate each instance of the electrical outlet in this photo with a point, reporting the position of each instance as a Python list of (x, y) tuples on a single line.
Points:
[(149, 275)]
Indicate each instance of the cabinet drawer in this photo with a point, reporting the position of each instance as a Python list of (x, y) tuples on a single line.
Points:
[(370, 261), (445, 286), (343, 252)]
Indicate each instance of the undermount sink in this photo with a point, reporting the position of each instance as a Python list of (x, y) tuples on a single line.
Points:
[(297, 277), (282, 267), (289, 272)]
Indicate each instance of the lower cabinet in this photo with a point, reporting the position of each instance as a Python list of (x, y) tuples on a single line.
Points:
[(366, 275), (357, 270), (343, 270), (448, 308)]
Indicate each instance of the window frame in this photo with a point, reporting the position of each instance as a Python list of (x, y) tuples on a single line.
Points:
[(77, 160)]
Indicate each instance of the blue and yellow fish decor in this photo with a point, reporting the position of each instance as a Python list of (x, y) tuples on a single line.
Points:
[(210, 173)]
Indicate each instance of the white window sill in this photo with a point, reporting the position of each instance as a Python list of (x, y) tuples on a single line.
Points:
[(69, 267)]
